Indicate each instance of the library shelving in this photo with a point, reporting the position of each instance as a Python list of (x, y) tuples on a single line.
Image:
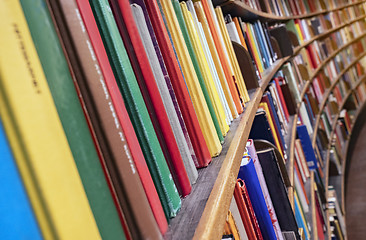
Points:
[(204, 211)]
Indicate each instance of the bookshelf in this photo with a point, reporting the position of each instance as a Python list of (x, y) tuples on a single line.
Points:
[(203, 212), (218, 200)]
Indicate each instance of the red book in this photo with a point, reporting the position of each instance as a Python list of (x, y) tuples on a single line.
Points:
[(180, 89), (311, 57), (249, 206), (145, 78), (244, 213), (301, 182), (282, 99), (122, 115)]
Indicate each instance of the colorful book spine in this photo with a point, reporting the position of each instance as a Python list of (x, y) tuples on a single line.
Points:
[(136, 108), (75, 125), (17, 219), (192, 81), (179, 85), (206, 73), (122, 115), (36, 136), (164, 92)]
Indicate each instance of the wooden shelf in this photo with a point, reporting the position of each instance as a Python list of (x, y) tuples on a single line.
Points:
[(210, 198), (239, 9), (329, 90)]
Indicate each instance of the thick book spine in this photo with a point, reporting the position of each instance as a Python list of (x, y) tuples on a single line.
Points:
[(122, 115), (164, 93), (145, 78), (192, 81), (184, 100), (75, 125), (17, 219), (136, 108), (115, 149), (36, 136)]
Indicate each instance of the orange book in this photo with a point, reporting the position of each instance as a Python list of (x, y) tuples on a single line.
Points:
[(240, 33), (222, 56)]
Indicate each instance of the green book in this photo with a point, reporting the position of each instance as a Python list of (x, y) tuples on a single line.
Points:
[(72, 118), (136, 108), (183, 28)]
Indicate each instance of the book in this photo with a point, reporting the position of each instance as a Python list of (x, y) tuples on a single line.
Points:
[(258, 168), (75, 125), (136, 108), (17, 217), (199, 102), (221, 49), (180, 88), (248, 174), (164, 93), (36, 136), (122, 115), (145, 78), (277, 191), (216, 58), (307, 147), (121, 168), (234, 208), (205, 71)]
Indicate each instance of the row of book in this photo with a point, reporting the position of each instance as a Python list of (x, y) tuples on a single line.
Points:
[(126, 100), (287, 8)]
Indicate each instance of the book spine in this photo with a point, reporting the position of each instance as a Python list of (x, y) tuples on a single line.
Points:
[(36, 136), (115, 149), (136, 108), (122, 115), (18, 220), (164, 92), (185, 103), (75, 125)]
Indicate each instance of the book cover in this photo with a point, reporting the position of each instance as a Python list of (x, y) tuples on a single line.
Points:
[(261, 128), (75, 125), (205, 71), (210, 60), (36, 136), (122, 115), (215, 57), (307, 147), (136, 108), (248, 174), (179, 85), (164, 92), (145, 78), (198, 99), (222, 52), (17, 219)]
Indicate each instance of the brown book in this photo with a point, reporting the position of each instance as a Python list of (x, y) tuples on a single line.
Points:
[(89, 79)]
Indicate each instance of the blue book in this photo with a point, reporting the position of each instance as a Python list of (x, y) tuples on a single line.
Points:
[(248, 174), (260, 128), (17, 220), (299, 219), (309, 153)]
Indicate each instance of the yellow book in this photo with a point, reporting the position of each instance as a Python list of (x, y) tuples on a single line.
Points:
[(264, 107), (234, 61), (215, 56), (193, 85), (203, 65), (254, 48), (36, 136), (299, 33)]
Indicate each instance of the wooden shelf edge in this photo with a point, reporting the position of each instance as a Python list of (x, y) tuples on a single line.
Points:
[(212, 222)]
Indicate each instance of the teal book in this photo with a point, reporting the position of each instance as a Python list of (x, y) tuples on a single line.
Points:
[(72, 118), (183, 27), (136, 108)]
